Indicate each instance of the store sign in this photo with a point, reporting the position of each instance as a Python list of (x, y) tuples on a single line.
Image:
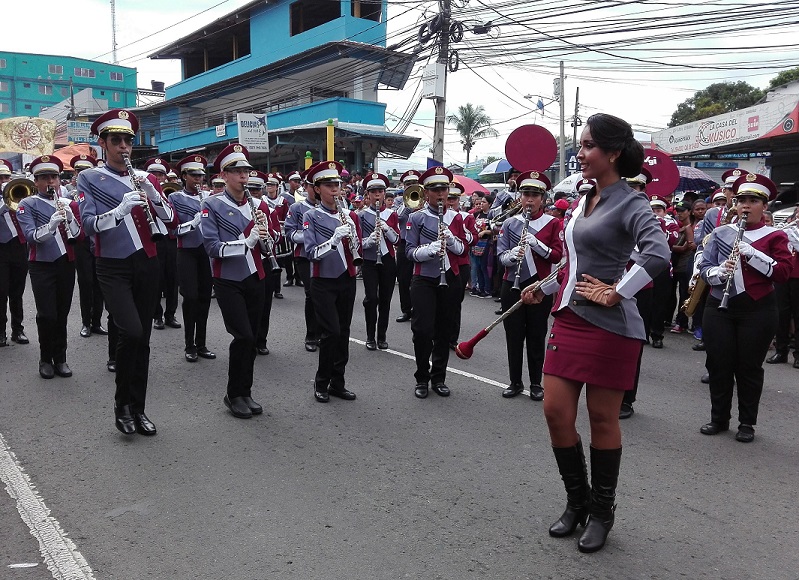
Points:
[(253, 132), (772, 119)]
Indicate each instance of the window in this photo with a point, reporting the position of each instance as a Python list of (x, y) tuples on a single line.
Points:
[(64, 92), (368, 9), (117, 76), (26, 85), (308, 14), (2, 65), (3, 86), (84, 72), (102, 93), (116, 97), (3, 106), (55, 69), (319, 94), (45, 90), (27, 107)]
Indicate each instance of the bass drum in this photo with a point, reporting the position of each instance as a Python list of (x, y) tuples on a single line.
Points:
[(284, 247)]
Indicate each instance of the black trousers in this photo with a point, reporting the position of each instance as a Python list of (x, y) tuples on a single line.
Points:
[(334, 301), (13, 275), (303, 268), (378, 284), (643, 300), (241, 304), (432, 323), (404, 275), (194, 282), (130, 288), (287, 263), (736, 343), (113, 338), (788, 310), (678, 293), (53, 284), (91, 297), (660, 296), (271, 284), (167, 261), (465, 276), (528, 323)]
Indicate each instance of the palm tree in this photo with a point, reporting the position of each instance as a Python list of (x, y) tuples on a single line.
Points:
[(472, 123)]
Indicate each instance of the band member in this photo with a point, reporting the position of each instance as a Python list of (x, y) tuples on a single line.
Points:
[(194, 268), (91, 297), (741, 262), (598, 335), (296, 192), (51, 225), (217, 184), (456, 190), (333, 245), (13, 266), (528, 244), (507, 196), (279, 205), (118, 214), (380, 277), (434, 241), (404, 265), (235, 239)]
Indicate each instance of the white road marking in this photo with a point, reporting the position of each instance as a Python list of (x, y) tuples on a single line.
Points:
[(60, 554)]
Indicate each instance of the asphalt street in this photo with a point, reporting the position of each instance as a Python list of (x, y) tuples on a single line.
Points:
[(387, 486)]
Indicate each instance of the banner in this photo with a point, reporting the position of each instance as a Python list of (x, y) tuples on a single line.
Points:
[(253, 132), (31, 135), (772, 119)]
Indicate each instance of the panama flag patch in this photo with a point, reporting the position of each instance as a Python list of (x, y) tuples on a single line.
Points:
[(205, 212)]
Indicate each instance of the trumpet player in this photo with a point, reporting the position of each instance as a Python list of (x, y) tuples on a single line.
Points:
[(117, 209), (741, 262), (51, 225), (527, 246), (333, 244), (434, 241), (404, 266), (380, 229), (279, 205), (456, 190), (13, 266), (193, 266)]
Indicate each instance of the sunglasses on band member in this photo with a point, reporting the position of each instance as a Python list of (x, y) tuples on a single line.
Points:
[(117, 139)]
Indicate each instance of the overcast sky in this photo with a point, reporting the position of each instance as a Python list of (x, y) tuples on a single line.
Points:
[(644, 94)]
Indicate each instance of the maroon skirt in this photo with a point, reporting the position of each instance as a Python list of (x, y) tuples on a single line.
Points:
[(579, 351)]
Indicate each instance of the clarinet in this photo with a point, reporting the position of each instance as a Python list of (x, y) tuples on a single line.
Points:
[(378, 235), (357, 260), (155, 233), (442, 277), (735, 256), (267, 245), (523, 245), (59, 207)]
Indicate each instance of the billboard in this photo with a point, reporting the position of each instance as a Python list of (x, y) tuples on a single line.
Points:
[(253, 132)]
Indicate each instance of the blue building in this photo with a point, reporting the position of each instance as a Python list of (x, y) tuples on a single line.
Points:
[(30, 83), (301, 62)]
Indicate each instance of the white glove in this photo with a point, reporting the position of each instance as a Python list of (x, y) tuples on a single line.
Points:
[(435, 248), (55, 220), (515, 253), (792, 232), (70, 217), (384, 226), (252, 239), (341, 232), (726, 269), (196, 220), (129, 201), (150, 190), (260, 217), (373, 237), (745, 249)]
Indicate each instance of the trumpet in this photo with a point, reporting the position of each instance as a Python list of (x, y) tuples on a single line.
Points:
[(16, 190), (412, 196), (735, 256), (59, 206), (267, 245), (357, 260), (524, 243), (442, 277), (155, 233), (514, 208)]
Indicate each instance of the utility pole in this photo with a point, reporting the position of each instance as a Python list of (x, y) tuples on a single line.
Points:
[(576, 121), (441, 102), (114, 32), (562, 99)]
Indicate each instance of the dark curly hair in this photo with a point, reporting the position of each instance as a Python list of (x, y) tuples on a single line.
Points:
[(613, 134)]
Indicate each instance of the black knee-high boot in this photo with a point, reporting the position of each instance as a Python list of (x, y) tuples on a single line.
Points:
[(571, 464), (604, 477)]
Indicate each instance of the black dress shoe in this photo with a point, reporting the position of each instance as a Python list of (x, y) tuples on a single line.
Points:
[(46, 370), (310, 345), (657, 343), (288, 283), (371, 344), (191, 355), (3, 340), (85, 331), (255, 408), (342, 393), (238, 406), (172, 322), (203, 352), (19, 337), (321, 396), (745, 434), (453, 345), (299, 283), (795, 362), (497, 299), (382, 344), (713, 428), (62, 369), (262, 350), (420, 392), (124, 419), (143, 425), (111, 365), (626, 411), (441, 390), (777, 358), (536, 393), (699, 345), (498, 311), (278, 295), (158, 323), (404, 317), (705, 379), (98, 329), (513, 390)]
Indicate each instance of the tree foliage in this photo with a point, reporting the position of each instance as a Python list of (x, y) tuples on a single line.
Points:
[(716, 99), (784, 78), (472, 124)]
